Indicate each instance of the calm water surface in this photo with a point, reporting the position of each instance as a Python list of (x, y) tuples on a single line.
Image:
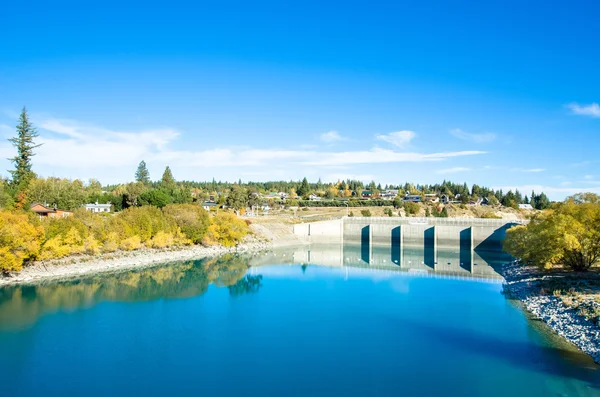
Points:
[(219, 327)]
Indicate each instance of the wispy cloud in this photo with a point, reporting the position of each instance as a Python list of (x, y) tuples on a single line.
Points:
[(332, 137), (528, 170), (477, 138), (581, 163), (399, 138), (379, 156), (79, 150), (452, 170), (592, 110)]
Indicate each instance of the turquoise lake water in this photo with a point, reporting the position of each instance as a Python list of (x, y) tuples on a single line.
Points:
[(275, 325)]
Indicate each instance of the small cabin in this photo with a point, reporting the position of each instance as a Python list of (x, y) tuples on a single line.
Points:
[(45, 211)]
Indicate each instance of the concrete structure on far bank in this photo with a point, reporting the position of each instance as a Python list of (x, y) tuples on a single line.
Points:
[(437, 241), (487, 234)]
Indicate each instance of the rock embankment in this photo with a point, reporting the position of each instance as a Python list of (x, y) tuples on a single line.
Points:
[(527, 285), (85, 265)]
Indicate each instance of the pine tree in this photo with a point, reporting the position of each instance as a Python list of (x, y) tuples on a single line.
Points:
[(24, 142), (167, 179), (304, 188), (142, 174)]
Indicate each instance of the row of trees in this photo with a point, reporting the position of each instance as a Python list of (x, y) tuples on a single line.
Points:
[(24, 237), (567, 235)]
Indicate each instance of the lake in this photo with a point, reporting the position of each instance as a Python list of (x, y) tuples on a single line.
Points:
[(307, 321)]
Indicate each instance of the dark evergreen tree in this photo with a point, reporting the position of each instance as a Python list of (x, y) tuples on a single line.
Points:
[(24, 142), (304, 188), (142, 174)]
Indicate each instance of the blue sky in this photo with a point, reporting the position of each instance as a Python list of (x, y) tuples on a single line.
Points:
[(502, 94)]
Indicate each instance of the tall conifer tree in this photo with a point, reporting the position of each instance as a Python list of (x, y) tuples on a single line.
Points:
[(24, 142), (142, 174)]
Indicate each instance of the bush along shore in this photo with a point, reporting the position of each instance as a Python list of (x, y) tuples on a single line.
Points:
[(84, 265), (567, 305)]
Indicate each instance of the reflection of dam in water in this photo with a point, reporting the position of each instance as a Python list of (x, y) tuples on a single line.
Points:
[(450, 245), (380, 257)]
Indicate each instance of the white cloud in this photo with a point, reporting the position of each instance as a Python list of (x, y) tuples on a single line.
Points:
[(378, 156), (592, 110), (589, 177), (331, 137), (398, 138), (76, 150), (452, 170), (87, 146), (528, 170), (477, 138)]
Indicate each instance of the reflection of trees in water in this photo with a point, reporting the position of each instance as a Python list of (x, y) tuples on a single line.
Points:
[(246, 285), (22, 305)]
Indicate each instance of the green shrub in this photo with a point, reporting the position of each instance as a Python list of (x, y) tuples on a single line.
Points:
[(365, 212)]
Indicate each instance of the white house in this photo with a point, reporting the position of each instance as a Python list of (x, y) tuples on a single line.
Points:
[(314, 197), (389, 194), (207, 205), (525, 207), (97, 207)]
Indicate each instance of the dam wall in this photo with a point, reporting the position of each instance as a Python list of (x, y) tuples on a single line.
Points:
[(444, 233)]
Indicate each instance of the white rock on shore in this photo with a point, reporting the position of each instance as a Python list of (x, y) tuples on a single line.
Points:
[(561, 319), (81, 266)]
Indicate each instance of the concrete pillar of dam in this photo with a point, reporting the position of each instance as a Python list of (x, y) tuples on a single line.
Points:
[(471, 249), (466, 249), (397, 245), (370, 244), (435, 248)]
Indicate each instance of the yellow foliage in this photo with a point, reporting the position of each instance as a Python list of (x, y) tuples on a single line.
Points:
[(131, 243), (111, 244), (226, 229), (9, 261), (54, 249), (161, 240), (91, 246), (20, 240)]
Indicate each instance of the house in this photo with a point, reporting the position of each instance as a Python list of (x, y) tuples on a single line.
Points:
[(366, 194), (389, 194), (525, 207), (45, 211), (97, 207), (207, 205), (412, 198), (283, 195), (445, 199), (432, 198), (314, 197)]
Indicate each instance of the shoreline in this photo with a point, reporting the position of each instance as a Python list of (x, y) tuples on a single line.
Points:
[(81, 266), (524, 284)]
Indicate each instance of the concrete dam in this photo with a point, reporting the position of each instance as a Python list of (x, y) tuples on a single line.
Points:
[(428, 244)]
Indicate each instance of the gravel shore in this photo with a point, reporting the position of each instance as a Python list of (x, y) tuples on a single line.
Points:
[(526, 284), (85, 265)]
